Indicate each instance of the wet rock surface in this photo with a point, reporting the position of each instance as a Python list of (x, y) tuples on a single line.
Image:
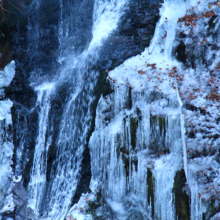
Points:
[(22, 210), (134, 33)]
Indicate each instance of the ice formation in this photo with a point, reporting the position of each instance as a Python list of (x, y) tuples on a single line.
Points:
[(6, 144), (141, 127)]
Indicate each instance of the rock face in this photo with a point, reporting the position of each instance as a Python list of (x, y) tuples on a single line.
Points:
[(134, 33), (43, 36)]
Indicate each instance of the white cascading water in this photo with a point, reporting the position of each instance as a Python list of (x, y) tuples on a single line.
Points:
[(75, 119), (38, 174)]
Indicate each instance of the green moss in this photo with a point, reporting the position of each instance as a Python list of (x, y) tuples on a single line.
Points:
[(99, 203), (183, 209), (212, 209), (162, 124), (150, 196), (93, 205), (127, 160), (125, 157), (181, 198), (157, 137), (161, 121), (133, 130)]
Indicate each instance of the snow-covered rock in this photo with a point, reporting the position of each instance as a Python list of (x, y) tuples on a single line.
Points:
[(6, 144)]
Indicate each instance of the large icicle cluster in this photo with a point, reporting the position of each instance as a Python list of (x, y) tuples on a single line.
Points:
[(6, 143), (130, 137)]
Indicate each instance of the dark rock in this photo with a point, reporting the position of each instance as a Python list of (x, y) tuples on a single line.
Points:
[(20, 199), (181, 52), (150, 183), (182, 204), (134, 33), (85, 176)]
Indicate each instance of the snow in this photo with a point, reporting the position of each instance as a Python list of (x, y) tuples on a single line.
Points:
[(5, 110), (6, 143), (7, 74), (216, 216), (116, 207), (79, 210), (17, 179)]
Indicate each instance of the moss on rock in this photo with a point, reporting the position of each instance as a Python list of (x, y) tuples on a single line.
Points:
[(181, 198), (133, 130), (150, 196)]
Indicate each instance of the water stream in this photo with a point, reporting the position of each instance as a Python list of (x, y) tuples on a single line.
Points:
[(76, 117)]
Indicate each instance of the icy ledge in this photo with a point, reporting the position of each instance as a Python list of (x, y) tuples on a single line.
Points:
[(6, 143)]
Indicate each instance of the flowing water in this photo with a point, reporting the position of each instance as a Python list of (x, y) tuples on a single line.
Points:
[(75, 120)]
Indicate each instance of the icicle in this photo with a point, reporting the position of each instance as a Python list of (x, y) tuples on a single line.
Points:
[(165, 126), (183, 131), (197, 208)]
